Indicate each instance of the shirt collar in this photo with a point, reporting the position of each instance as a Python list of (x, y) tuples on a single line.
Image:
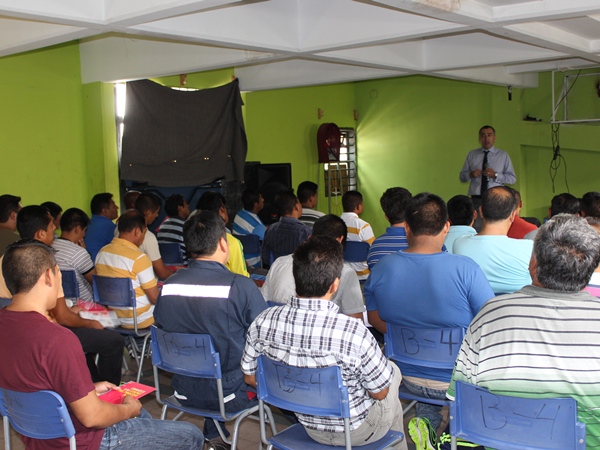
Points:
[(315, 304)]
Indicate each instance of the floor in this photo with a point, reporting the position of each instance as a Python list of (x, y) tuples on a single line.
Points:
[(249, 436)]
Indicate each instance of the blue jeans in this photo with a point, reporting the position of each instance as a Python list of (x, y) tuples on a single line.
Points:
[(426, 410), (146, 433)]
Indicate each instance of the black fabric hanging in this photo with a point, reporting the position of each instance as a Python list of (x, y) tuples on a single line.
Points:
[(183, 138)]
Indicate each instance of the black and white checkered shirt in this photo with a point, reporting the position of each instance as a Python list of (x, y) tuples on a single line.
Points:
[(311, 333)]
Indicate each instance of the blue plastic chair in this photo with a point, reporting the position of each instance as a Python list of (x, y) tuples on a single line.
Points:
[(355, 251), (194, 355), (319, 392), (38, 415), (70, 284), (514, 423), (250, 242), (428, 348), (171, 253), (110, 291), (5, 302)]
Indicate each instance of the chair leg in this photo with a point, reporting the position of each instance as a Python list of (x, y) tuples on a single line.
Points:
[(453, 442), (157, 386), (409, 407), (6, 433), (236, 425), (141, 358)]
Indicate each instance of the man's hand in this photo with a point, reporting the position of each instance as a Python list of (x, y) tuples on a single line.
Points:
[(104, 386), (134, 404), (489, 172), (475, 173)]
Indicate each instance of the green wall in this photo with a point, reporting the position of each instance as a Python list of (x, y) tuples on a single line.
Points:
[(58, 136), (47, 126)]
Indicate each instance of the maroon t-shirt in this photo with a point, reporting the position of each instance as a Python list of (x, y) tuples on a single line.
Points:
[(37, 354)]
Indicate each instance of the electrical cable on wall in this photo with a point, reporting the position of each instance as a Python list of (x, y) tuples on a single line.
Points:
[(557, 158)]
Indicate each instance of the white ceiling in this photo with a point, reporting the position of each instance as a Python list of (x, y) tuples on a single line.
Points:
[(285, 43)]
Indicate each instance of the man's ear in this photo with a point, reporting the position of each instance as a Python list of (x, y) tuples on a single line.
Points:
[(13, 215), (334, 286)]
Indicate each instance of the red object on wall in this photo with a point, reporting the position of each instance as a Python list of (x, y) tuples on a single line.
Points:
[(328, 142)]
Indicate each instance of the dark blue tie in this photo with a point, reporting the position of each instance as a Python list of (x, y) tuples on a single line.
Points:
[(484, 179)]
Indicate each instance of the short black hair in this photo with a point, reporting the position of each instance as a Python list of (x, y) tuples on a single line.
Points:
[(330, 225), (285, 201), (306, 190), (24, 263), (201, 233), (54, 208), (100, 201), (498, 203), (487, 126), (147, 201), (317, 263), (32, 219), (211, 201), (249, 198), (394, 202), (564, 203), (460, 210), (590, 204), (130, 220), (172, 204), (72, 218), (129, 198), (351, 200), (426, 215), (8, 204)]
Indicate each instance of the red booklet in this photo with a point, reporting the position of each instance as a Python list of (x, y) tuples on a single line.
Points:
[(136, 390)]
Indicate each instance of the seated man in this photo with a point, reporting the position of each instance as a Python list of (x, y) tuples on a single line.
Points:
[(56, 213), (590, 204), (149, 205), (35, 222), (101, 229), (71, 253), (122, 258), (504, 261), (520, 227), (50, 357), (284, 236), (208, 298), (424, 287), (215, 202), (564, 203), (171, 230), (593, 286), (310, 332), (462, 216), (539, 341), (9, 207), (247, 222), (279, 285), (393, 202), (358, 229), (309, 197)]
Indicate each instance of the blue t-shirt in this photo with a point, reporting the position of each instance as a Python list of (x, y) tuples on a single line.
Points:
[(504, 261), (99, 233), (437, 290)]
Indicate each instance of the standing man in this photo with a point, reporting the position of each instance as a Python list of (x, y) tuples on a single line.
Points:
[(486, 167)]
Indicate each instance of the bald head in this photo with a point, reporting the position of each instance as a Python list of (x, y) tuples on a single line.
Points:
[(498, 203)]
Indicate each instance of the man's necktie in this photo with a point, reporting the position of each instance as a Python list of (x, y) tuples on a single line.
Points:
[(484, 179)]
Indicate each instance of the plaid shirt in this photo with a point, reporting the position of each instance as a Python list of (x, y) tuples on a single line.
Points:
[(311, 333)]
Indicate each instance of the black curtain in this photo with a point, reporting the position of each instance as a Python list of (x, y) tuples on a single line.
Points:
[(183, 138)]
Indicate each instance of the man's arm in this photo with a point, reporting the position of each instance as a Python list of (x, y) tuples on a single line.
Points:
[(376, 321), (95, 413), (380, 395), (160, 270), (88, 276), (466, 173), (152, 294), (250, 380), (65, 317)]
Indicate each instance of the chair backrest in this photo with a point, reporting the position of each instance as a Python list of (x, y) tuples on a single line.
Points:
[(171, 253), (250, 242), (435, 348), (319, 392), (70, 284), (355, 251), (193, 355), (509, 423), (111, 291), (274, 255), (38, 415), (5, 302)]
